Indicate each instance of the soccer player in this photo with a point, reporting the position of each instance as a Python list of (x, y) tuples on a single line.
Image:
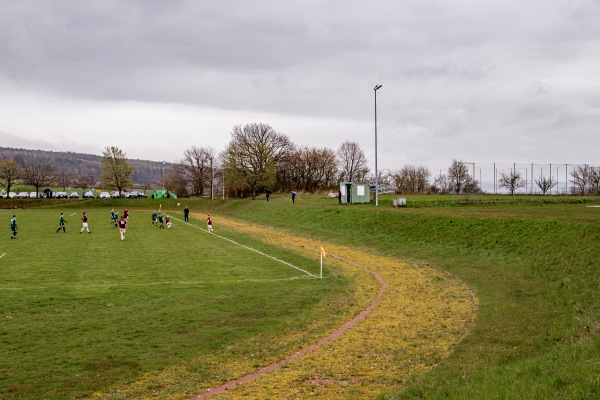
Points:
[(112, 216), (84, 219), (168, 222), (186, 214), (116, 218), (209, 226), (154, 218), (61, 223), (126, 214), (123, 227), (161, 220), (13, 226)]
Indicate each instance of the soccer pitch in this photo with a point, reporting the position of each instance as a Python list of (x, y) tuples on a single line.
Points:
[(81, 312)]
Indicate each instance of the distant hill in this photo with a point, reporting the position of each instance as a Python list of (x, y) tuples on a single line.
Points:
[(76, 165)]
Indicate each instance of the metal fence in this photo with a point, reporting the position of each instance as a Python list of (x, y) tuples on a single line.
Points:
[(488, 176)]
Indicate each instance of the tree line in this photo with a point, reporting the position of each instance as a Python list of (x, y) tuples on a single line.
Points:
[(258, 158)]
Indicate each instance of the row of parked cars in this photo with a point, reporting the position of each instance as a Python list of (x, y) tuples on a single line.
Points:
[(87, 194)]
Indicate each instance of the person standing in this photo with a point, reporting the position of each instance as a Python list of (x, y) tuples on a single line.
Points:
[(293, 197), (168, 222), (267, 193), (209, 226), (84, 220), (126, 214), (340, 197), (112, 216), (186, 213), (161, 220), (61, 223), (123, 227), (13, 226), (154, 218), (116, 218)]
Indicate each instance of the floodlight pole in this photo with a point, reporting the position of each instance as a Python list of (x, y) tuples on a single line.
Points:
[(377, 87)]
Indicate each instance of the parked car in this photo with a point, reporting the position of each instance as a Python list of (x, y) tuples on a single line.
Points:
[(60, 195), (104, 195), (114, 194), (88, 194), (33, 195), (23, 195), (137, 195), (124, 195), (73, 195), (11, 195)]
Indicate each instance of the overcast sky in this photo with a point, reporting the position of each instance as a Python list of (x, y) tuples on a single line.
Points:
[(482, 81)]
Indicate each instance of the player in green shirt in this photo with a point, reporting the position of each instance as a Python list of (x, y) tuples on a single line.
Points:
[(13, 226), (61, 223), (154, 218)]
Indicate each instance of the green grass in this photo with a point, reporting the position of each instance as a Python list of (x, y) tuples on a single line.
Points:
[(82, 312), (532, 262)]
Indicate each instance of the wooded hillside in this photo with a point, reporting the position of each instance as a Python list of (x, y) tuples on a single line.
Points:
[(76, 165)]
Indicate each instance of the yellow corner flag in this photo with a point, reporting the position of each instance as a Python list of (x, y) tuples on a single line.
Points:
[(323, 252)]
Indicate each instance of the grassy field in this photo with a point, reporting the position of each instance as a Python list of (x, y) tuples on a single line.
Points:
[(532, 262), (82, 312)]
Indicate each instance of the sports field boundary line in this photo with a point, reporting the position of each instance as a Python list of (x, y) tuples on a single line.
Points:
[(250, 248), (181, 283), (2, 255), (229, 385)]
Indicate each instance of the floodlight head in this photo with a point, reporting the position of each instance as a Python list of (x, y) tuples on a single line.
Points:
[(377, 87)]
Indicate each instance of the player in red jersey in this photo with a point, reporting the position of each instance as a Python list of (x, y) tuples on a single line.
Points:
[(122, 227), (209, 225)]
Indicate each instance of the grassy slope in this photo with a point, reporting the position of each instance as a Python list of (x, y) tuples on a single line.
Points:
[(534, 267)]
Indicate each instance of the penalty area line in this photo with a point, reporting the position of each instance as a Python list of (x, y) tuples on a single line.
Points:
[(147, 284), (250, 248)]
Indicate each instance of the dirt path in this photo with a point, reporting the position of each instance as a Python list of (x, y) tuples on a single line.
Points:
[(334, 335), (417, 315), (409, 317)]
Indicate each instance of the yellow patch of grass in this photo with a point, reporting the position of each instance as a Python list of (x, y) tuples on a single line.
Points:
[(421, 315)]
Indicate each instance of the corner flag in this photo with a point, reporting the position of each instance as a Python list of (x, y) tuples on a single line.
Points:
[(323, 252)]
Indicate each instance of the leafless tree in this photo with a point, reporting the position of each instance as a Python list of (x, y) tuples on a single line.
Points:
[(411, 179), (38, 175), (308, 168), (585, 180), (253, 154), (63, 179), (85, 181), (352, 162), (511, 181), (197, 169), (545, 184), (10, 171)]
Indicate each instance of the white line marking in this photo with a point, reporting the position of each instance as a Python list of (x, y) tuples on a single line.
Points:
[(250, 248), (191, 283), (2, 255), (71, 215)]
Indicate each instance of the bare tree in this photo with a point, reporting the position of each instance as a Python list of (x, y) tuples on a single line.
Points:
[(253, 154), (63, 179), (197, 168), (10, 171), (411, 179), (585, 180), (38, 175), (84, 181), (308, 168), (511, 181), (116, 170), (352, 162), (545, 184)]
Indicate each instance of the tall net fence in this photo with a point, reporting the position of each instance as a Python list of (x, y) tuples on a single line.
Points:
[(563, 179)]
